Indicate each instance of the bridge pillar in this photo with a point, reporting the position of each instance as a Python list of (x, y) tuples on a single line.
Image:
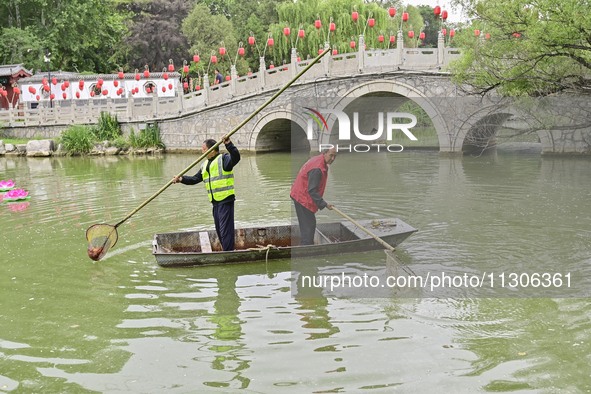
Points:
[(400, 46), (361, 53), (326, 60), (294, 62), (233, 76), (440, 48), (206, 88), (262, 68)]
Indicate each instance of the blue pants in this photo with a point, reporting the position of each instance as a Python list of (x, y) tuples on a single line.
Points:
[(223, 217)]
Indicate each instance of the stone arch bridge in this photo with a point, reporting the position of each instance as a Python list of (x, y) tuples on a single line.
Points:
[(367, 82)]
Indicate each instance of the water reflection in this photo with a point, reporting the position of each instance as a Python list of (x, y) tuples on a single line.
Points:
[(124, 324)]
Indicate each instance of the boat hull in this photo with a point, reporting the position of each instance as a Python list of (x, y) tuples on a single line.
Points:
[(191, 248)]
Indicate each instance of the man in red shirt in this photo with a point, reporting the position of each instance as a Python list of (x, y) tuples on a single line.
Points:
[(307, 193)]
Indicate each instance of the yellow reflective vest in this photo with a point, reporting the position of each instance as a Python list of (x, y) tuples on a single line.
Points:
[(218, 182)]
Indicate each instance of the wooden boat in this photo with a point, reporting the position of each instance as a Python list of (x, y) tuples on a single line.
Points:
[(190, 248)]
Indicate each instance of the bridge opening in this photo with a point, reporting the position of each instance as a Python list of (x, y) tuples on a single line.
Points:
[(500, 131), (282, 135)]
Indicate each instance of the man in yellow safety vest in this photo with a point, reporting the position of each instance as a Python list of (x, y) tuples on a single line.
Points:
[(218, 177)]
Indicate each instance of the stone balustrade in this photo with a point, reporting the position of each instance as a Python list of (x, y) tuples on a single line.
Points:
[(152, 109)]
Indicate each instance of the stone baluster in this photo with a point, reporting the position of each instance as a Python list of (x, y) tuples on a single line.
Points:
[(233, 76), (294, 62), (361, 53), (262, 72), (400, 46), (440, 48)]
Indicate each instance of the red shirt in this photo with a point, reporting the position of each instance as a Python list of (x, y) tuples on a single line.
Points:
[(299, 189)]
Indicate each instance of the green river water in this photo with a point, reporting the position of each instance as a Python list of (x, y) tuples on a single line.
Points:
[(126, 325)]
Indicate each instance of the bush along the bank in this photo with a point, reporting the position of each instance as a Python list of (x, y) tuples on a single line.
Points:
[(107, 138)]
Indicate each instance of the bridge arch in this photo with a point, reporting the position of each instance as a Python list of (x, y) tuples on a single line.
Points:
[(400, 89), (279, 130)]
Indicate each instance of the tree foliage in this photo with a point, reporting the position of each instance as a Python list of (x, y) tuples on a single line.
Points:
[(155, 33), (80, 34), (535, 47)]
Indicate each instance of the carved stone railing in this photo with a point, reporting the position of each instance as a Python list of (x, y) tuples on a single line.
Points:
[(151, 109)]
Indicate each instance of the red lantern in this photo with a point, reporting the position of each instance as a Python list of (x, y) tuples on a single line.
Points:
[(241, 51), (381, 38), (115, 83), (16, 90), (63, 87), (422, 35), (213, 59), (186, 69), (335, 52), (405, 16), (99, 83), (44, 81), (67, 84), (197, 87), (320, 51), (317, 24), (52, 96), (163, 89), (54, 80), (286, 31), (120, 75), (270, 41), (271, 66), (452, 33), (444, 15), (170, 86), (171, 67), (251, 40), (392, 39), (332, 26), (371, 22), (411, 34), (137, 77), (476, 33), (148, 90), (392, 12), (228, 77), (37, 97), (46, 88), (146, 73), (487, 36), (105, 92), (355, 16), (352, 44), (222, 51), (301, 33), (64, 95), (165, 76), (32, 90), (77, 94), (196, 58), (444, 32), (437, 10), (298, 59)]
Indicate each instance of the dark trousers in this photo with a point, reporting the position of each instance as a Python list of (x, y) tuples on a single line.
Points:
[(223, 217), (307, 222)]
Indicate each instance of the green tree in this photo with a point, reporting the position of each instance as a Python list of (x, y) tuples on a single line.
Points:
[(206, 33), (83, 35), (155, 33), (534, 47), (302, 14)]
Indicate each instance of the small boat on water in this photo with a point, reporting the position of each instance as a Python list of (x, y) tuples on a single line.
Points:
[(189, 248)]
